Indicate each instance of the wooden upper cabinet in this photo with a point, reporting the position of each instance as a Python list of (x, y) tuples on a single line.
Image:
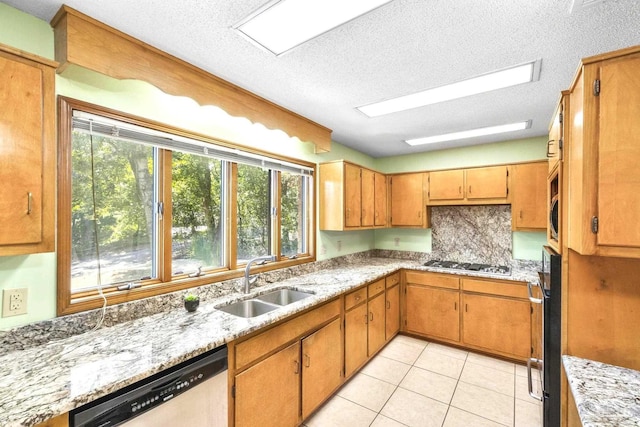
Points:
[(487, 185), (368, 191), (446, 185), (351, 197), (380, 200), (27, 153), (408, 207), (556, 135), (604, 154), (529, 198)]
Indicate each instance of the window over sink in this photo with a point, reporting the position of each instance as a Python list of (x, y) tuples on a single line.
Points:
[(145, 209)]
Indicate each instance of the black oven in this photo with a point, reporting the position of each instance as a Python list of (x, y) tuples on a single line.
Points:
[(549, 364)]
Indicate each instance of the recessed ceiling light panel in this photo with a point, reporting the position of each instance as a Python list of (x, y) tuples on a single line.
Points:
[(282, 25), (512, 76), (492, 130)]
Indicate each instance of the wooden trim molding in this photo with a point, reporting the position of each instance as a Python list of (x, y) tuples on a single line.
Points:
[(84, 41)]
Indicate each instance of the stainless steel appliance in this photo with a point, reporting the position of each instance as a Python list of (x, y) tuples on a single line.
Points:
[(193, 393), (549, 364)]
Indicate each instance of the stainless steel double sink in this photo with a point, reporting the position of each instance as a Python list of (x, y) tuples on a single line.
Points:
[(264, 303)]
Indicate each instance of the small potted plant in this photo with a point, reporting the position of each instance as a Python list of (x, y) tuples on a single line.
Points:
[(191, 302)]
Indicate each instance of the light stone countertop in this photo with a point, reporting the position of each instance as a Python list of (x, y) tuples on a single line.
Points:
[(41, 382), (605, 395)]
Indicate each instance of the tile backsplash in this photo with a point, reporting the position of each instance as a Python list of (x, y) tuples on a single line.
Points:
[(472, 233)]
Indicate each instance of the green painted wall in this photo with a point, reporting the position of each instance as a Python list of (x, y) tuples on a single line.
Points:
[(38, 272)]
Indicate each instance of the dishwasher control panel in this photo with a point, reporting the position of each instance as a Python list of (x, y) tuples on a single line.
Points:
[(147, 394)]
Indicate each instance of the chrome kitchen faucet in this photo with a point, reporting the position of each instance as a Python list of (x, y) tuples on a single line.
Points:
[(248, 281)]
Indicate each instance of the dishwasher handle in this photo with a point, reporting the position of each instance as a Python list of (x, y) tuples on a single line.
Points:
[(530, 380), (530, 291)]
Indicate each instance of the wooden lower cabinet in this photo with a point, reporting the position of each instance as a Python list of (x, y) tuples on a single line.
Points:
[(392, 316), (267, 394), (497, 324), (355, 338), (321, 366), (433, 312), (376, 327), (59, 421)]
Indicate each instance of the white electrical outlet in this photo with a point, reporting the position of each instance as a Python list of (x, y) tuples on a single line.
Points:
[(14, 302), (339, 245), (396, 241)]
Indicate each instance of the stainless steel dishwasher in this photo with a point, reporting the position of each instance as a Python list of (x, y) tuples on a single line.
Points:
[(192, 394)]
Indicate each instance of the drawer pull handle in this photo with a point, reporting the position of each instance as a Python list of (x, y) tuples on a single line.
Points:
[(371, 316), (297, 369), (460, 189), (357, 297), (466, 308), (29, 200), (366, 319), (455, 306), (388, 305), (469, 189), (307, 361)]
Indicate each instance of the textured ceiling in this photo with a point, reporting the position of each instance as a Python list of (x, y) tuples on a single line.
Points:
[(402, 47)]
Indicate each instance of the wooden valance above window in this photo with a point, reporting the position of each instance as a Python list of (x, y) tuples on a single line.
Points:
[(84, 41)]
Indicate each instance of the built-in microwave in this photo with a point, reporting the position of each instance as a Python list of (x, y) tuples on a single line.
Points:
[(554, 184)]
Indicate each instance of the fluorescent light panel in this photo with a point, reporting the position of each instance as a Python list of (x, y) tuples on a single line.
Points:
[(284, 24), (519, 74), (492, 130)]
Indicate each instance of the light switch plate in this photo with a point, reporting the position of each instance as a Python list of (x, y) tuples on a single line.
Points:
[(14, 302)]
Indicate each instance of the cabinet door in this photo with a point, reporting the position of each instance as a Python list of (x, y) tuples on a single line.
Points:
[(380, 210), (446, 185), (355, 338), (321, 366), (352, 195), (21, 156), (407, 202), (529, 207), (487, 183), (433, 312), (368, 197), (618, 145), (497, 324), (392, 320), (376, 329), (268, 394)]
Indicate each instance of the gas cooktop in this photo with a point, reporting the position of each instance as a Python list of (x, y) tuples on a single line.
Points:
[(468, 266)]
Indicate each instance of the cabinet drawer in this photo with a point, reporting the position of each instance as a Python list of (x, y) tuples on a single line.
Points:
[(502, 288), (392, 279), (354, 298), (262, 344), (431, 279), (376, 287)]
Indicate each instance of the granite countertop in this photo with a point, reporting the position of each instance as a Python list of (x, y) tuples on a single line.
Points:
[(605, 395), (47, 380)]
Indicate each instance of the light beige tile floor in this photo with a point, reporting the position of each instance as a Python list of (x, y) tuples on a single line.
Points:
[(412, 382)]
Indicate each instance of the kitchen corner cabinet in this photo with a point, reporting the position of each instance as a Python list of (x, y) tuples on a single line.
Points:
[(27, 153), (432, 305), (487, 185), (529, 198), (603, 156), (281, 375), (408, 202), (351, 197), (493, 316)]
